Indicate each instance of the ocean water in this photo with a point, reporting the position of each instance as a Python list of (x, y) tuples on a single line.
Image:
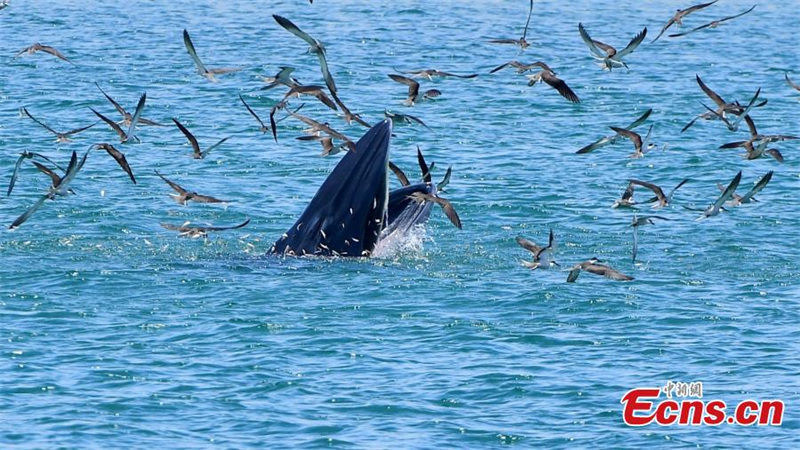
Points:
[(117, 332)]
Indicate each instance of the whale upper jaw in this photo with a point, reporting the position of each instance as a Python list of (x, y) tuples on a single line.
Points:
[(349, 211)]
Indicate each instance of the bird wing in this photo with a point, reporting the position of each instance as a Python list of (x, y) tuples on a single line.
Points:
[(189, 136), (656, 189), (289, 26), (501, 41), (208, 150), (399, 173), (530, 11), (590, 43), (725, 19), (747, 198), (503, 66), (25, 110), (207, 199), (449, 211), (224, 70), (326, 74), (136, 115), (692, 30), (746, 110), (117, 106), (628, 194), (347, 113), (728, 192), (445, 180), (252, 113), (234, 227), (54, 52), (114, 125), (694, 8), (120, 159), (632, 135), (668, 24), (528, 245), (672, 192), (175, 186), (29, 212), (608, 272), (187, 41), (640, 120), (573, 274), (448, 74), (632, 44), (413, 86), (423, 166), (55, 179), (559, 85), (15, 174), (77, 130), (320, 94), (602, 142), (711, 94), (796, 86)]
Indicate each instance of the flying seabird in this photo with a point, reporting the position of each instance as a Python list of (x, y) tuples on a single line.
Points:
[(593, 266), (127, 117), (197, 154), (742, 113), (447, 207), (59, 187), (209, 73), (713, 24), (184, 195), (196, 232), (608, 56), (638, 222), (403, 118), (602, 142), (23, 156), (349, 116), (521, 67), (641, 146), (314, 130), (125, 136), (60, 137), (726, 195), (723, 107), (677, 18), (790, 83), (263, 128), (44, 48), (660, 199), (118, 157), (315, 47), (414, 95), (283, 77), (521, 41), (542, 255), (430, 73), (548, 76), (626, 200), (737, 199), (313, 90), (756, 146)]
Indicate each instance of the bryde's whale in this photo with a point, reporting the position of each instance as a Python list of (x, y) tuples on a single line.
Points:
[(353, 210)]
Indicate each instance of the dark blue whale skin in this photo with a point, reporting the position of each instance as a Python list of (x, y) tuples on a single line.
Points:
[(349, 211)]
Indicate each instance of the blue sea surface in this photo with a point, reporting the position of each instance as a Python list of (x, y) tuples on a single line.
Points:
[(116, 332)]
